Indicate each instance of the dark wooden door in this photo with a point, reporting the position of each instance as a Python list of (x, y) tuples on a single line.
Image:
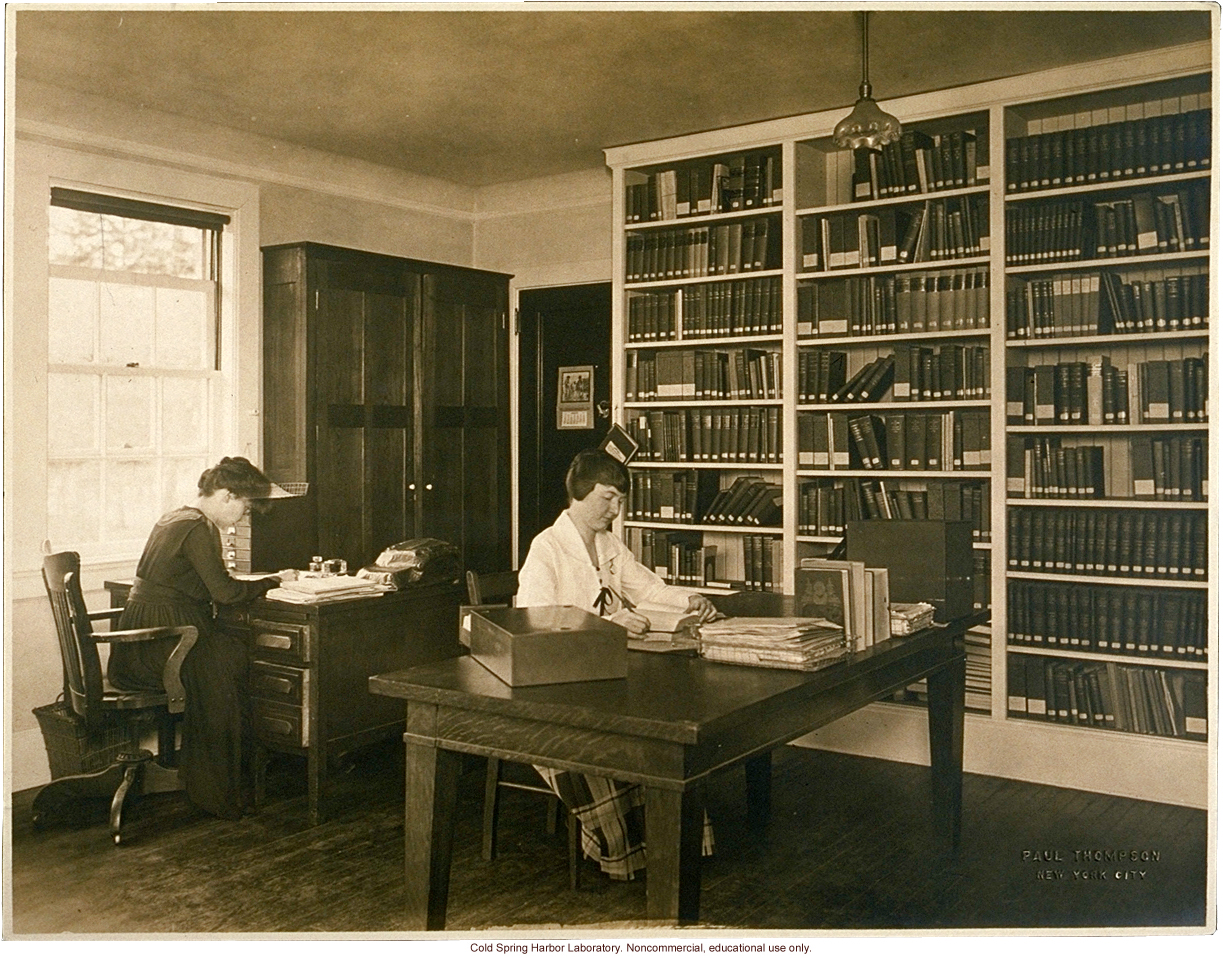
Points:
[(559, 326), (364, 457), (464, 479)]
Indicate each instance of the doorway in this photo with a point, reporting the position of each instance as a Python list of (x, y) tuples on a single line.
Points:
[(562, 326)]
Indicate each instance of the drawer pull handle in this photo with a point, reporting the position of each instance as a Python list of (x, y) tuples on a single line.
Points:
[(276, 726), (270, 641), (274, 684)]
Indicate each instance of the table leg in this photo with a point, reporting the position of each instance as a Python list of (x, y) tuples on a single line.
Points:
[(316, 769), (430, 794), (945, 694), (759, 773), (674, 823)]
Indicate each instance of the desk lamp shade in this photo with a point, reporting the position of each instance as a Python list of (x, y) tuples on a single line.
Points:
[(867, 126)]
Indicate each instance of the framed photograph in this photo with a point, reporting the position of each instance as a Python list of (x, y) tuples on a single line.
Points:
[(575, 407)]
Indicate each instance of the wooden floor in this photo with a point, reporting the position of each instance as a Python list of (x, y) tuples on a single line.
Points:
[(849, 847)]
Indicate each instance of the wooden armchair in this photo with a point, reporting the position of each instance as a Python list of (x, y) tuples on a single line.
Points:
[(489, 589), (96, 703)]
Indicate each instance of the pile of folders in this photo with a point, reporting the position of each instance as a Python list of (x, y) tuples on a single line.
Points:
[(800, 643)]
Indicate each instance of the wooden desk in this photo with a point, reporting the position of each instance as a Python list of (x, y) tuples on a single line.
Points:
[(668, 726), (310, 667)]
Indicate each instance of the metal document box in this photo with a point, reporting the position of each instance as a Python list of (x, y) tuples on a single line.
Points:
[(548, 644)]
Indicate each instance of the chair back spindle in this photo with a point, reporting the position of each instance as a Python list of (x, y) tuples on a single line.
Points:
[(61, 574)]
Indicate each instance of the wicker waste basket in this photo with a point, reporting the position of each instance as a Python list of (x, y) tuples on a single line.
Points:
[(73, 749)]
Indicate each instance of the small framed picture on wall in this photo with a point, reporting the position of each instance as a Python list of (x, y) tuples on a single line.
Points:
[(575, 397)]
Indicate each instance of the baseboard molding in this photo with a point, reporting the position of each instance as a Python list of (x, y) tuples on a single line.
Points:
[(1147, 768)]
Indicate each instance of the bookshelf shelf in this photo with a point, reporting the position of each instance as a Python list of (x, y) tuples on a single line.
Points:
[(1109, 262), (929, 265), (1109, 580), (1112, 503), (702, 280), (1109, 339), (699, 403), (699, 527), (692, 341), (1093, 730), (1142, 427), (865, 206), (1109, 186), (1085, 655), (898, 406), (883, 338), (823, 216), (703, 219)]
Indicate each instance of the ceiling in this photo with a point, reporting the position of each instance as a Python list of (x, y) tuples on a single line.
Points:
[(485, 96)]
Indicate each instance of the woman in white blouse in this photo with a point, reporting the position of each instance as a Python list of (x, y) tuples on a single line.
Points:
[(579, 561)]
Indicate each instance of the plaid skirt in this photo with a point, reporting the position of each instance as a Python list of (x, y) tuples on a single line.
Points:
[(612, 816)]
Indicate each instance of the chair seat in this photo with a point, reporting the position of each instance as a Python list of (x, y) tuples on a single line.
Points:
[(122, 700)]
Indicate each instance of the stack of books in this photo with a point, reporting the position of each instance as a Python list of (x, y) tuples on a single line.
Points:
[(801, 643), (333, 588)]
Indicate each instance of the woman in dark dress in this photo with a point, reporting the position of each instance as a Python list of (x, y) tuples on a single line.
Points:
[(179, 578)]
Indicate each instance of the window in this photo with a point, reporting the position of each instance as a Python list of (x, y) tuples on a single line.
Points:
[(133, 365)]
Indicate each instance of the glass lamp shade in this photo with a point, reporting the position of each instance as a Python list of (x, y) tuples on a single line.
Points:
[(867, 126)]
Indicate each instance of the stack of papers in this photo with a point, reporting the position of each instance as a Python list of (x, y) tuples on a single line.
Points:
[(327, 589), (802, 643)]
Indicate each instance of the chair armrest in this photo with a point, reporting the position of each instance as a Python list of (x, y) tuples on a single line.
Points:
[(103, 614), (170, 678)]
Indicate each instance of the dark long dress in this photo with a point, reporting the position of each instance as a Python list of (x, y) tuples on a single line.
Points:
[(179, 576)]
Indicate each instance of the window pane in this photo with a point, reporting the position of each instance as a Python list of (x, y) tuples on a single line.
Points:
[(129, 413), (184, 327), (142, 246), (73, 414), (74, 238), (184, 415), (73, 506), (181, 481), (72, 321), (132, 505), (126, 317)]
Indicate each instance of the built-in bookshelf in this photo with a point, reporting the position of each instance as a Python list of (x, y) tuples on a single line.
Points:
[(1107, 290), (1005, 318)]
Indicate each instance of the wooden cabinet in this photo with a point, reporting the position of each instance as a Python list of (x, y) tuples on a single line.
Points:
[(386, 389)]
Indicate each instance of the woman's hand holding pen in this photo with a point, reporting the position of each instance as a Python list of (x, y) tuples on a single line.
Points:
[(635, 624)]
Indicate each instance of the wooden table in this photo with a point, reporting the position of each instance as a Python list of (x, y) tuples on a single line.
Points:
[(674, 721), (310, 667)]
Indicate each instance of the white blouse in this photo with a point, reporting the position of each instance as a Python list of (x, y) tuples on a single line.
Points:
[(558, 571)]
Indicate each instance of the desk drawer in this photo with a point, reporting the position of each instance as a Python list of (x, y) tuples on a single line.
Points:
[(278, 724), (281, 639), (279, 683)]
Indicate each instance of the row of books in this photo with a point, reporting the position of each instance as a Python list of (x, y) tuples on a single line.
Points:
[(1151, 146), (950, 372), (702, 374), (1161, 468), (1144, 224), (903, 441), (1108, 542), (751, 435), (918, 163), (826, 505), (740, 246), (1098, 393), (848, 594), (748, 561), (1128, 698), (875, 305), (694, 496), (953, 228), (747, 307), (700, 187), (1100, 304), (1115, 620)]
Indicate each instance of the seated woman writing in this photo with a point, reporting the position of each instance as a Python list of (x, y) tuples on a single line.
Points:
[(179, 578), (579, 561)]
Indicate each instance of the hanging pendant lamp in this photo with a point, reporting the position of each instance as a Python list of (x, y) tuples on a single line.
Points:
[(867, 127)]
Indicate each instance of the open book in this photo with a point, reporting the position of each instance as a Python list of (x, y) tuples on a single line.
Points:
[(668, 622)]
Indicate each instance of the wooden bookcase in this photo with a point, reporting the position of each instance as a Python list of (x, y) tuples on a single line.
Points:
[(802, 186)]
